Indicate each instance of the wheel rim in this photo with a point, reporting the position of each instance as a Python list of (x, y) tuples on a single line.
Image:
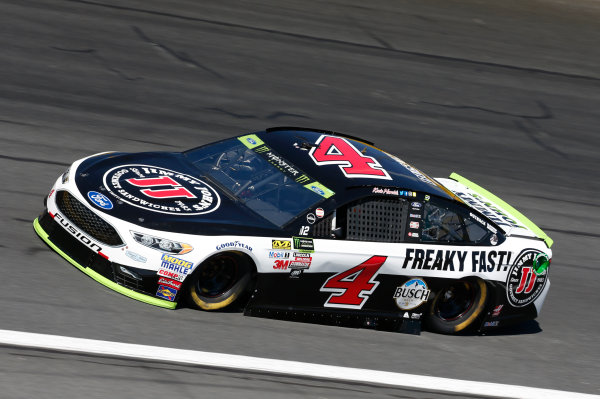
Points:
[(455, 300), (217, 276)]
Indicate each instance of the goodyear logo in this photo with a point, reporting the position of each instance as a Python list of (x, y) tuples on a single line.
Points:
[(168, 260), (282, 244)]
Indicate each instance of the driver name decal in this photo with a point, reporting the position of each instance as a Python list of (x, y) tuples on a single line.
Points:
[(161, 190)]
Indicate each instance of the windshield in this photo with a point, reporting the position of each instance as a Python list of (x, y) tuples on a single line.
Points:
[(258, 184)]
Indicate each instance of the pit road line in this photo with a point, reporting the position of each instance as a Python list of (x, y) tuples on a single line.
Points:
[(274, 366)]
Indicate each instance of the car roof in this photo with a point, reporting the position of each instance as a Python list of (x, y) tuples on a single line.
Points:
[(299, 145)]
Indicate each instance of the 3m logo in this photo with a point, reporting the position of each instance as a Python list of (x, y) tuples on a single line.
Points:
[(352, 288), (282, 244), (331, 150), (281, 264)]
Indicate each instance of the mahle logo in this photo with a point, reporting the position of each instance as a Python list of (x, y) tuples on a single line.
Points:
[(169, 259)]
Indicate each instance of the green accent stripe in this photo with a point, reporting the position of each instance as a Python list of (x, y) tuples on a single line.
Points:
[(326, 193), (518, 215), (101, 279)]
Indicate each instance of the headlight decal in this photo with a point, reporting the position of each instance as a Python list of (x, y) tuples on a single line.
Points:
[(162, 244)]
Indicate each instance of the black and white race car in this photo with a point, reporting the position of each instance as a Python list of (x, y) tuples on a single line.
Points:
[(299, 224)]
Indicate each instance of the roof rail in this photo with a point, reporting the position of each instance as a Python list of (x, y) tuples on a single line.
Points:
[(330, 132)]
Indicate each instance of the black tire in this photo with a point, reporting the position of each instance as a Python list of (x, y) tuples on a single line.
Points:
[(220, 281), (457, 306)]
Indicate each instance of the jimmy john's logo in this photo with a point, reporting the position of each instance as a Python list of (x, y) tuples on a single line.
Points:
[(527, 278), (161, 190), (411, 294)]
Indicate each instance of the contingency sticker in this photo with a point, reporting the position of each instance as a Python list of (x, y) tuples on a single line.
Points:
[(161, 190), (167, 293), (411, 294), (174, 268)]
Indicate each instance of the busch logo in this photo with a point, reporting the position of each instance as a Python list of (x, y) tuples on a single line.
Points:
[(412, 294)]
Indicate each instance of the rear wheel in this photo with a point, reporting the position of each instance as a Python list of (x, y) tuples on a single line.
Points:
[(457, 306), (220, 281)]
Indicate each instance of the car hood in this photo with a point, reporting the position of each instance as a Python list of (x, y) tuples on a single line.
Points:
[(162, 191)]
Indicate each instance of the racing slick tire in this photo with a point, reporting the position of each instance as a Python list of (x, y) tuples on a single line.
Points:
[(457, 306), (220, 281)]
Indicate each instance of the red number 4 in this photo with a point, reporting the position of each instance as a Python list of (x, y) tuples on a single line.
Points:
[(332, 150), (352, 288)]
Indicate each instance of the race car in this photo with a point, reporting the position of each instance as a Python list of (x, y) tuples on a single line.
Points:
[(300, 224)]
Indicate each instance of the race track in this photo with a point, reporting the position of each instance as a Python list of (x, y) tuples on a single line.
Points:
[(507, 95)]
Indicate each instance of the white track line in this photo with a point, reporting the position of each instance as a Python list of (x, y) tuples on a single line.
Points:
[(221, 360)]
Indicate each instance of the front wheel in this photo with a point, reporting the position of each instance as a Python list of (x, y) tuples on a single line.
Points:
[(220, 281), (457, 306)]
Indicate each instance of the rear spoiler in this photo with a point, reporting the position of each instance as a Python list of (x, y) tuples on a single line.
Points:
[(507, 217)]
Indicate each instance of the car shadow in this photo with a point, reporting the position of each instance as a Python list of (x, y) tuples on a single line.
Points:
[(524, 328)]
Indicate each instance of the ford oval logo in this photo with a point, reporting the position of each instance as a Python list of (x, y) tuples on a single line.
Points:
[(251, 141), (317, 190), (100, 200), (416, 204)]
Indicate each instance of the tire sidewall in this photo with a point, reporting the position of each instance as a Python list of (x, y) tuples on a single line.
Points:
[(225, 299), (465, 321)]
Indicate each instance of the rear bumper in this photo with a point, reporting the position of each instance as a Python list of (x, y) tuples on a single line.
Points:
[(99, 268)]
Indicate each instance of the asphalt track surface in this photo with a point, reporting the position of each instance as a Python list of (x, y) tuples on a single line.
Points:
[(505, 94)]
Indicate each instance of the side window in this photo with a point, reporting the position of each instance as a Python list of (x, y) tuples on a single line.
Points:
[(377, 219), (451, 224)]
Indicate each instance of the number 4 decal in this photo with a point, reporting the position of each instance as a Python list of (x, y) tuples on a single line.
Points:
[(331, 150), (352, 288)]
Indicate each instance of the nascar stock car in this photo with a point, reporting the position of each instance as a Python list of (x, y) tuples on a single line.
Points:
[(299, 224)]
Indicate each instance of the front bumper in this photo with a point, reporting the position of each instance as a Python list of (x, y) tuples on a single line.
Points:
[(98, 267)]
